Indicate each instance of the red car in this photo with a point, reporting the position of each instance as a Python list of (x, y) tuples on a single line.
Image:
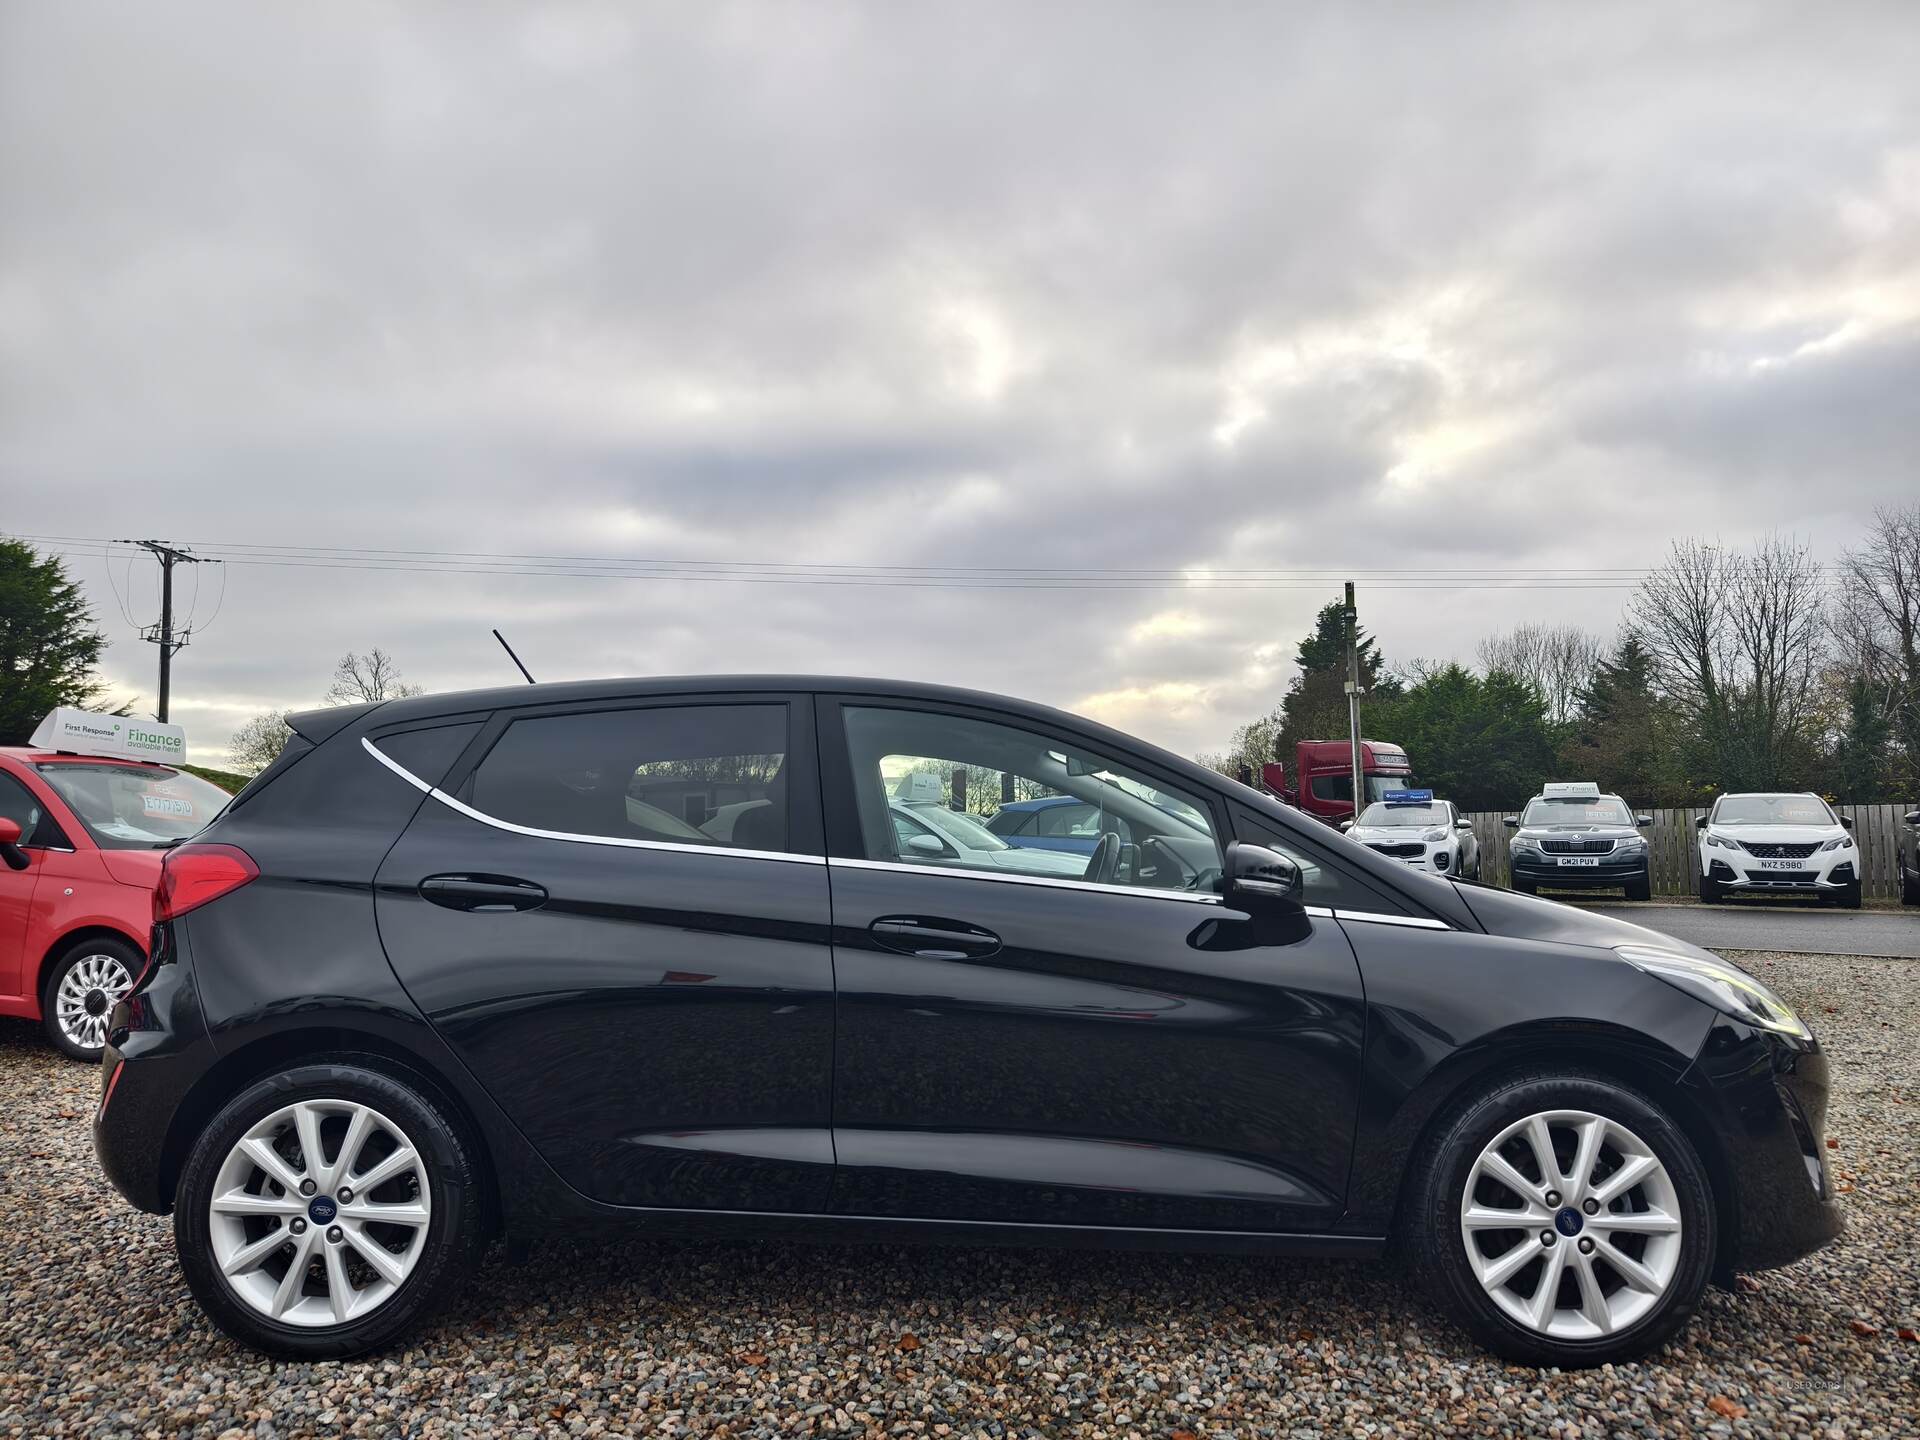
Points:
[(81, 838)]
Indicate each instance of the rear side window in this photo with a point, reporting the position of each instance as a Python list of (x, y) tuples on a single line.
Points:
[(682, 775)]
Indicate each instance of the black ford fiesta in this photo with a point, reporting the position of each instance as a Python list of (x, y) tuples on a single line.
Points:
[(741, 957)]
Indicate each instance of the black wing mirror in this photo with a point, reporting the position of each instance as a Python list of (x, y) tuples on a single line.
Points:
[(1512, 822), (1260, 879), (1912, 817), (1847, 820), (1700, 822), (1643, 820)]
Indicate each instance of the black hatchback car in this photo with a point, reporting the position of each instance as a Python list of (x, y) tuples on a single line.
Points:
[(660, 953)]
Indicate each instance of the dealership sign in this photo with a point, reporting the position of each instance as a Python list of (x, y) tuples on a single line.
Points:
[(81, 732)]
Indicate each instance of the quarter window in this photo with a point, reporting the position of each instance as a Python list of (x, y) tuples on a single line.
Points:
[(682, 775), (929, 785)]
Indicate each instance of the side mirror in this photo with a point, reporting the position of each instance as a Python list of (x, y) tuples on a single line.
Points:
[(1512, 822), (1912, 817), (1643, 819), (10, 850), (1260, 879), (1847, 820), (1700, 822), (1345, 825), (924, 845), (1463, 825)]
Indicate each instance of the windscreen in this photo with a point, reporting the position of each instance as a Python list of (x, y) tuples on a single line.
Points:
[(1577, 810), (135, 807), (1772, 810), (1415, 817)]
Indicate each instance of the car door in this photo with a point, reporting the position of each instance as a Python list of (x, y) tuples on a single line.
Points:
[(650, 1003), (21, 806), (1116, 1048)]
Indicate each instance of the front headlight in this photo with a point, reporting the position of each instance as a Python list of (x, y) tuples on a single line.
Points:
[(1723, 842), (1728, 989), (1524, 841), (1434, 836), (1631, 842), (1845, 842)]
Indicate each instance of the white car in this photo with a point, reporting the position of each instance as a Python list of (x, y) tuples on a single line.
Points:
[(1765, 842), (1420, 832), (927, 830)]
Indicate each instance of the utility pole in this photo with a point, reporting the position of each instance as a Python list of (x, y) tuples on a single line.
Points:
[(1353, 701), (163, 634)]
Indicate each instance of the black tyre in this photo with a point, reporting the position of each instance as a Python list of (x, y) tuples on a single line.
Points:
[(1849, 898), (1526, 887), (80, 990), (1627, 1204), (320, 1258), (1909, 886), (1640, 888), (1710, 892)]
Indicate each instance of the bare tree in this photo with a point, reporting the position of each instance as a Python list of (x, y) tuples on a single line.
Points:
[(1877, 619), (1736, 642), (372, 676), (1557, 660), (258, 743)]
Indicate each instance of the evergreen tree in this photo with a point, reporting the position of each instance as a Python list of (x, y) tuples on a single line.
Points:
[(49, 644), (1622, 730), (1860, 759)]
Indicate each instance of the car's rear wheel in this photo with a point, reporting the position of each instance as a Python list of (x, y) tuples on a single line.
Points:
[(327, 1210), (1562, 1219), (79, 993)]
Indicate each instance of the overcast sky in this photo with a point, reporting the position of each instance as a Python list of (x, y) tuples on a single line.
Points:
[(1179, 288)]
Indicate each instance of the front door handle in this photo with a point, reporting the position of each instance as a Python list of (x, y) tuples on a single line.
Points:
[(482, 894), (932, 938)]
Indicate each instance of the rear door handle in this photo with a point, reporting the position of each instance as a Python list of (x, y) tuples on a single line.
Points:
[(932, 938), (483, 894)]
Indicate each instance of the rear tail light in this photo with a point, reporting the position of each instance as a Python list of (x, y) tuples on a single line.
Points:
[(192, 875)]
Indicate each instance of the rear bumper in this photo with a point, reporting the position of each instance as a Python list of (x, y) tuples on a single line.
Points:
[(145, 1078), (1766, 1097)]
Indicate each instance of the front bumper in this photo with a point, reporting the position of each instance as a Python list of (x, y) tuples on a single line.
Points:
[(1611, 871), (1825, 874), (1765, 1097), (146, 1076), (1440, 857)]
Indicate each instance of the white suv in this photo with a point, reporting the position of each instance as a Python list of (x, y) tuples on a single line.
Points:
[(1778, 842)]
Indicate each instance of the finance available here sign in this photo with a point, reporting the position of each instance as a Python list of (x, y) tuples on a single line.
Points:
[(119, 736)]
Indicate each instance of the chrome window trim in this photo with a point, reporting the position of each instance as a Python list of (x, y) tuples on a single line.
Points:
[(1139, 892), (617, 841), (1412, 922)]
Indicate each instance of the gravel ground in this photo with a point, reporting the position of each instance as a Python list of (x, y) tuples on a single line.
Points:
[(98, 1337)]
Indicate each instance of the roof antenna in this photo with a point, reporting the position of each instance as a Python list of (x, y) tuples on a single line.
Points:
[(510, 655)]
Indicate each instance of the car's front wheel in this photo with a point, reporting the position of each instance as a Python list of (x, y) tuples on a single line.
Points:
[(1562, 1219), (327, 1210), (79, 993), (1640, 888), (1710, 891)]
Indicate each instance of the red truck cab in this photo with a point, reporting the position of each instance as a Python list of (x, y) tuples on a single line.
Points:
[(81, 841), (1323, 776)]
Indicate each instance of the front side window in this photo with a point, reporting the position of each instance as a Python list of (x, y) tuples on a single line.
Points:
[(681, 775), (134, 807), (1340, 787), (18, 804), (940, 777)]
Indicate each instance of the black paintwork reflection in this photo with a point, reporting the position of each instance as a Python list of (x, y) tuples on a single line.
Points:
[(656, 993), (1121, 1061)]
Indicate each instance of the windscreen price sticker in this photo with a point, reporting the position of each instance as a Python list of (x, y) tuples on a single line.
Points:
[(170, 805)]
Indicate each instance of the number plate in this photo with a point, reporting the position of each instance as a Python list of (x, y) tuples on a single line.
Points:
[(1782, 864), (1580, 860)]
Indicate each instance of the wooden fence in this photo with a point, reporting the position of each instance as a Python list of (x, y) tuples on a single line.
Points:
[(1675, 848)]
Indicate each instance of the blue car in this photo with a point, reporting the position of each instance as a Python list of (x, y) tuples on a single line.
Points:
[(1053, 822)]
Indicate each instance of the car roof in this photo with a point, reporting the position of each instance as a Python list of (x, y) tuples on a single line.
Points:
[(1042, 802), (29, 755)]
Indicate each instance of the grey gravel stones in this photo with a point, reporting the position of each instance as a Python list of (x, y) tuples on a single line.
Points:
[(98, 1336)]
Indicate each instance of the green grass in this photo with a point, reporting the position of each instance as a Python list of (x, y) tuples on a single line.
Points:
[(225, 779)]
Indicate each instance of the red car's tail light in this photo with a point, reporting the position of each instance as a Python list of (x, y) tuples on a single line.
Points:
[(192, 875)]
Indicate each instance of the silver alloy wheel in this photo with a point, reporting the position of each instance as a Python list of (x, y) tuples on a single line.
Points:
[(87, 993), (320, 1213), (1571, 1224)]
